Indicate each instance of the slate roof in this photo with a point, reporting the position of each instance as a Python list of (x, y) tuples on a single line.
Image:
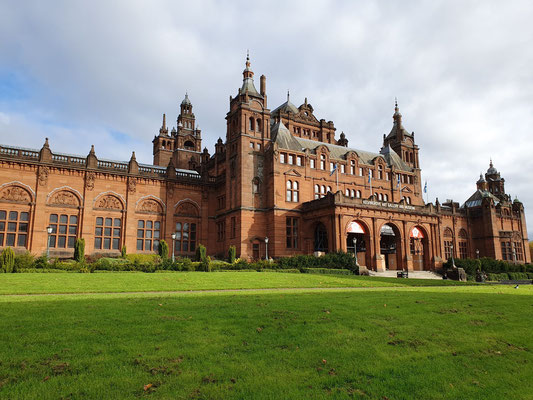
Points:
[(285, 108), (476, 199), (285, 140)]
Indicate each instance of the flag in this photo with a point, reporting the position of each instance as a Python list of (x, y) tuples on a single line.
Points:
[(333, 170), (398, 181), (369, 176), (426, 187)]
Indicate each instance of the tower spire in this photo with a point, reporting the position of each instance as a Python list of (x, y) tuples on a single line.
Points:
[(397, 117)]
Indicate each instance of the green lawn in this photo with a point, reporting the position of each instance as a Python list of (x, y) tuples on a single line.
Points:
[(142, 282), (461, 342)]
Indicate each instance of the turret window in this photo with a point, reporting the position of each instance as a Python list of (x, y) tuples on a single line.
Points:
[(258, 126), (252, 124)]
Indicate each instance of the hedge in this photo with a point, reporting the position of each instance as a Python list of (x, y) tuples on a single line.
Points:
[(327, 271)]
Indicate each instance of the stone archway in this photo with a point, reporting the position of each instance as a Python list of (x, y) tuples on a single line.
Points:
[(390, 245), (358, 231), (419, 248)]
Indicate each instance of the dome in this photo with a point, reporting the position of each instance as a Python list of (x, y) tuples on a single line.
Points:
[(492, 170), (186, 100)]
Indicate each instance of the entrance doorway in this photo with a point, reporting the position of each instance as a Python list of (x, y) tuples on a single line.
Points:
[(419, 248), (357, 231), (321, 238), (390, 247)]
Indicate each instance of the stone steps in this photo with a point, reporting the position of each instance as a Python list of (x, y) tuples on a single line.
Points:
[(412, 274)]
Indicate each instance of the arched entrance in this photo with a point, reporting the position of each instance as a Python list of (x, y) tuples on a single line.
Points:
[(358, 232), (321, 238), (390, 245), (419, 248)]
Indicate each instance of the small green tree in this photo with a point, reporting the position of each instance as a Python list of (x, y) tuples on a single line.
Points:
[(123, 252), (201, 252), (163, 249), (232, 252), (79, 250), (7, 260)]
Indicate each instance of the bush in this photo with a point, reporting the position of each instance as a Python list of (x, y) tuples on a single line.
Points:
[(287, 271), (143, 258), (327, 271), (41, 262), (7, 260), (163, 249), (201, 252), (42, 270), (123, 252), (24, 261), (66, 265), (516, 276), (79, 250), (232, 253)]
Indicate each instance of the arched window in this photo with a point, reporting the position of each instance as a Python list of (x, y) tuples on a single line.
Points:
[(358, 194), (317, 191), (323, 190), (353, 192), (448, 243), (258, 126), (347, 192), (380, 197), (293, 193), (252, 125), (462, 243), (385, 197)]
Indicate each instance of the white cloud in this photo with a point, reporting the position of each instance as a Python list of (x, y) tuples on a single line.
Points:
[(461, 71)]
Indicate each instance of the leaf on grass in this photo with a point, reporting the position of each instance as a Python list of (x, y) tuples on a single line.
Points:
[(46, 378), (324, 361), (148, 386)]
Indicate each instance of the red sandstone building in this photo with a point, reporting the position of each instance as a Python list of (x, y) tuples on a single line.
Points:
[(272, 177)]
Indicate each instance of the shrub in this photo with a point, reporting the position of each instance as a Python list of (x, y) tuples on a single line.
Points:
[(232, 253), (41, 262), (42, 270), (287, 271), (163, 249), (201, 252), (24, 261), (518, 275), (143, 258), (7, 260), (123, 252), (327, 271), (79, 250), (66, 265)]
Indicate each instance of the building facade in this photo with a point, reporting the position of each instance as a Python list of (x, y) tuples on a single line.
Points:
[(282, 175)]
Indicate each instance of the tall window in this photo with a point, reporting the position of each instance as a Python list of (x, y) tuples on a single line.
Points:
[(507, 251), (64, 229), (317, 191), (518, 251), (347, 192), (299, 161), (312, 162), (107, 233), (291, 159), (343, 169), (185, 237), (322, 161), (353, 192), (462, 244), (380, 172), (360, 171), (293, 193), (448, 243), (292, 232), (282, 158), (352, 167), (148, 235), (358, 194), (14, 228), (221, 230), (251, 124)]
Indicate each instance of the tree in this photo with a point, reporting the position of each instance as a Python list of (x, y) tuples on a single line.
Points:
[(163, 249), (7, 259), (79, 250)]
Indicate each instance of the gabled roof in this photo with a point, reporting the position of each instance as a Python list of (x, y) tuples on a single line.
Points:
[(285, 108), (285, 140)]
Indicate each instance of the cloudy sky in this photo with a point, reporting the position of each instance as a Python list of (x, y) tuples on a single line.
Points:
[(103, 73)]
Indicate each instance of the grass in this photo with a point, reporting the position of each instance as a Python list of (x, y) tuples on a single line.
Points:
[(469, 342), (141, 282)]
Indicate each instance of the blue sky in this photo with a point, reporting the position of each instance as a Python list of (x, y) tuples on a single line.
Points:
[(103, 73)]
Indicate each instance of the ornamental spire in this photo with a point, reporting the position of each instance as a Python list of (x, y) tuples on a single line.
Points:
[(397, 117)]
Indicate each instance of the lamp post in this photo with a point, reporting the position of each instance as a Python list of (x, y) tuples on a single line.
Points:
[(49, 230), (477, 254), (266, 248), (355, 251), (173, 236), (453, 261)]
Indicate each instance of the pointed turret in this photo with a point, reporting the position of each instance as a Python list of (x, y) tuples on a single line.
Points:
[(45, 154), (248, 80), (92, 161), (164, 129)]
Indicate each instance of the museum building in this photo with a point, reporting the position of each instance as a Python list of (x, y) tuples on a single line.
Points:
[(281, 183)]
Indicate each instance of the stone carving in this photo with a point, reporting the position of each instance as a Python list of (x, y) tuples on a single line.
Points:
[(43, 175), (132, 185), (110, 202), (89, 180), (15, 194), (187, 209), (151, 206), (64, 198)]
